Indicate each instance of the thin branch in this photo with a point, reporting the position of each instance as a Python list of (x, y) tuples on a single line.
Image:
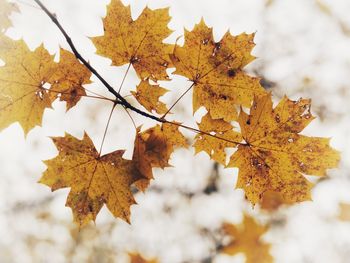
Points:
[(126, 73), (106, 129), (172, 106), (119, 98), (87, 96)]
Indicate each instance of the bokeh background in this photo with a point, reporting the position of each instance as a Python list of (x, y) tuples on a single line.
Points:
[(303, 50)]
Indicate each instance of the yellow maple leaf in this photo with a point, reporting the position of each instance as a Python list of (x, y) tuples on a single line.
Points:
[(213, 146), (153, 148), (137, 258), (6, 9), (215, 68), (138, 42), (23, 93), (276, 157), (93, 180), (148, 96), (246, 239)]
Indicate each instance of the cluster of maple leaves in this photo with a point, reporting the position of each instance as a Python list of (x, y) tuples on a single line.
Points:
[(271, 154)]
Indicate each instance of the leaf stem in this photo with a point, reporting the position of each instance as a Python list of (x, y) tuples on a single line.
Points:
[(182, 95), (126, 73), (131, 118), (92, 92), (106, 129)]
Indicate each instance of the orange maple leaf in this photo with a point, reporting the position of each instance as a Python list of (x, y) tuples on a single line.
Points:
[(68, 81), (275, 156), (223, 136), (153, 148), (271, 201), (94, 180), (246, 239), (215, 68), (148, 96), (138, 42)]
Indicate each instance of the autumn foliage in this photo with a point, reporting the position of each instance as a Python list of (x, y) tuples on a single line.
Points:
[(246, 238), (270, 153)]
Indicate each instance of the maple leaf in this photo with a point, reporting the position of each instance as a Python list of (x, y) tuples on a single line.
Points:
[(153, 148), (6, 9), (68, 80), (216, 70), (148, 96), (276, 157), (223, 136), (94, 180), (137, 258), (138, 42), (272, 200), (246, 238), (23, 94)]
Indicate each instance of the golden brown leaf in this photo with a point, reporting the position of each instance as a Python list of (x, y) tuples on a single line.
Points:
[(271, 201), (94, 180), (276, 156), (213, 146), (69, 78), (23, 92), (148, 96), (153, 148), (137, 258), (6, 9), (138, 42), (246, 239), (216, 70)]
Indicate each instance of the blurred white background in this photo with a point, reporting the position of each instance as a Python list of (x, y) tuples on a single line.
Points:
[(303, 49)]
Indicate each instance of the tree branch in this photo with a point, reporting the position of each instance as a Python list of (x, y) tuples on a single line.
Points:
[(119, 99)]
